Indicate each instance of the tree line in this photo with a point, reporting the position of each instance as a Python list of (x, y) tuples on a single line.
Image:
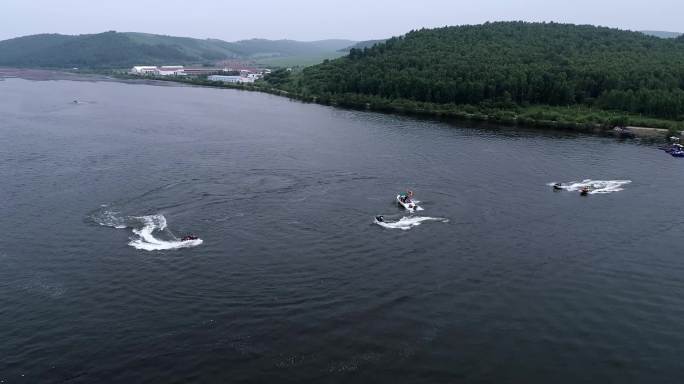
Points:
[(514, 63)]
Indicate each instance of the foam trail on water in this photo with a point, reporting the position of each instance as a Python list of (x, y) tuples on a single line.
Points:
[(406, 223), (147, 241), (150, 233), (109, 218), (595, 186)]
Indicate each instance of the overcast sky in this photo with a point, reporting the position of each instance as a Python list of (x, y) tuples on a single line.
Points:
[(318, 19)]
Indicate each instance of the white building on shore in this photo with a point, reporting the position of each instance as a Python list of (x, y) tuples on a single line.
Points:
[(171, 70), (166, 70), (143, 70), (231, 79), (246, 76)]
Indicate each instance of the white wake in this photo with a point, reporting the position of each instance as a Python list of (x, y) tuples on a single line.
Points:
[(595, 186), (150, 233), (109, 218), (145, 237), (406, 223)]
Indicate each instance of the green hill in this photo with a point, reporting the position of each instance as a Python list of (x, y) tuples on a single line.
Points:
[(109, 49), (508, 65), (197, 49), (113, 50)]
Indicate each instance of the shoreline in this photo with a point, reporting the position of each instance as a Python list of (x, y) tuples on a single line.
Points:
[(501, 116), (438, 111)]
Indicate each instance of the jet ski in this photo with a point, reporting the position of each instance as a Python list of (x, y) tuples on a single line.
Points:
[(189, 238), (409, 206), (558, 187), (584, 191), (672, 148), (677, 153)]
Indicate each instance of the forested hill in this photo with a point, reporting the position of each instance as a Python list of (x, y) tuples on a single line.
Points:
[(114, 49), (109, 49), (513, 63)]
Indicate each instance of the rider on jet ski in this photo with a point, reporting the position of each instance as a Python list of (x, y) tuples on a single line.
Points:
[(407, 198)]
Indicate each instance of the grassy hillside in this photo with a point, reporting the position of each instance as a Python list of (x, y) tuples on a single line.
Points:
[(299, 61), (112, 49), (332, 45), (508, 66), (287, 48)]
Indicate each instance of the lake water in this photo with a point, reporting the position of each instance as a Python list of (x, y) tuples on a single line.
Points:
[(292, 280)]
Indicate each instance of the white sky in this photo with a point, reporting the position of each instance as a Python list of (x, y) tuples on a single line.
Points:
[(318, 19)]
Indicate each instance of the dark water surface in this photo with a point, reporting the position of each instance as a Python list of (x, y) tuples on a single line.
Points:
[(293, 281)]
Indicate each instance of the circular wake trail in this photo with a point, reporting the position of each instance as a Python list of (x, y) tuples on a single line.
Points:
[(149, 233), (147, 241)]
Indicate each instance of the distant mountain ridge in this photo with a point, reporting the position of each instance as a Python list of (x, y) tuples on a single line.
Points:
[(270, 48), (362, 45), (122, 49), (662, 34)]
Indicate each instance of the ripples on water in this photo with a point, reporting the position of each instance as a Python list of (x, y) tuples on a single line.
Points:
[(502, 281)]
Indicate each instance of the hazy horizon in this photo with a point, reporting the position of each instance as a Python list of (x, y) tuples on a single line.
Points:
[(308, 20)]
